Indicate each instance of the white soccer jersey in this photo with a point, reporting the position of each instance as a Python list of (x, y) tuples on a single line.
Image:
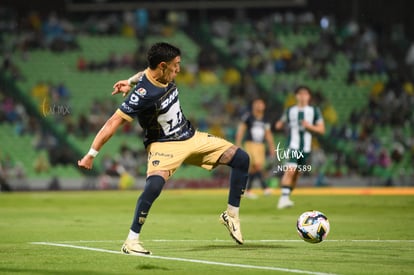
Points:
[(299, 138)]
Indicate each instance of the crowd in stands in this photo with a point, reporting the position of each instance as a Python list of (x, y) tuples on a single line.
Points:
[(256, 46), (113, 62), (55, 33), (390, 107), (390, 102)]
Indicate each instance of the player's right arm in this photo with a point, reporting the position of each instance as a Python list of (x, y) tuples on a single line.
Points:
[(241, 130), (124, 86), (106, 132), (281, 122)]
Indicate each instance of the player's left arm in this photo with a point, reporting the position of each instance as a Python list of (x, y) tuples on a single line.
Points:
[(270, 142), (318, 125), (317, 128), (106, 132)]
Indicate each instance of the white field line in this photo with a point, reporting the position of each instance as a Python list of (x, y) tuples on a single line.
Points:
[(231, 241), (187, 260)]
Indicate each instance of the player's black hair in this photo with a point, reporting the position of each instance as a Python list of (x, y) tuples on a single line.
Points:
[(161, 52), (303, 87)]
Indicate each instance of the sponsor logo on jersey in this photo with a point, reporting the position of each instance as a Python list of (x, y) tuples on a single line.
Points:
[(169, 99), (126, 108), (133, 100)]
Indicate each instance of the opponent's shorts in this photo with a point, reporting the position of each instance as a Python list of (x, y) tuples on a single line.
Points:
[(297, 157), (203, 150), (257, 154)]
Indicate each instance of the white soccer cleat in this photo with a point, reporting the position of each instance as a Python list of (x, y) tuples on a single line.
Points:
[(284, 202), (268, 192), (134, 247), (233, 226)]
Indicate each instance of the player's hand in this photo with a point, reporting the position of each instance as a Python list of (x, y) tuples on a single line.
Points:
[(279, 125), (122, 86), (272, 153), (306, 124), (86, 162)]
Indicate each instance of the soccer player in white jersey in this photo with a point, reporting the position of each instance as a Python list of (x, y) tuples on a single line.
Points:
[(303, 120), (170, 140)]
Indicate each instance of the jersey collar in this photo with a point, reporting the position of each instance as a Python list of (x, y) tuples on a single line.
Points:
[(154, 81)]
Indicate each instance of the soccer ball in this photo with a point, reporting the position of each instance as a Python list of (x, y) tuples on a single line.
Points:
[(313, 226)]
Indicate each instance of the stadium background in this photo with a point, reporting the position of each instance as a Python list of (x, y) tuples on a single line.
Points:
[(60, 59)]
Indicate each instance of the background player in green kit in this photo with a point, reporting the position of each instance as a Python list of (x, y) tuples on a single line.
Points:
[(303, 120), (170, 140)]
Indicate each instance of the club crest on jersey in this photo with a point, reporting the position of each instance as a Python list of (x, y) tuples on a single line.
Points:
[(169, 99), (141, 92)]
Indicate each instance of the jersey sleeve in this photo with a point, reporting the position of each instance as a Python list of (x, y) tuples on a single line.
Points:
[(245, 118), (133, 104), (284, 116), (125, 116), (318, 116)]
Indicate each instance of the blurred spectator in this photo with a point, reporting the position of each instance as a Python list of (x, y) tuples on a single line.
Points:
[(384, 159), (127, 160), (409, 59), (81, 63), (10, 169), (63, 93), (232, 77), (41, 91), (41, 163), (58, 35)]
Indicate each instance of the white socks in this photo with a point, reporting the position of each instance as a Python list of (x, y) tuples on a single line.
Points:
[(286, 191), (132, 235), (233, 210)]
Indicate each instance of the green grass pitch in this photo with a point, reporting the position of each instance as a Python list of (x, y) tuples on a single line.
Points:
[(370, 234)]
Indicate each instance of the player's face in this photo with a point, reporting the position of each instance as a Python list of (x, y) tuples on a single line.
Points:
[(303, 97), (171, 69), (259, 105)]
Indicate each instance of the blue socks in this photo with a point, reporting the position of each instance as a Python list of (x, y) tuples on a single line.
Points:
[(152, 190), (238, 176)]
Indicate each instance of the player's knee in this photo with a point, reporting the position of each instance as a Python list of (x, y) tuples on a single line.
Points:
[(154, 185), (163, 173), (240, 160)]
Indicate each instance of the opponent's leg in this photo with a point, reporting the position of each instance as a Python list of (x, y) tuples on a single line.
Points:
[(249, 193), (287, 184)]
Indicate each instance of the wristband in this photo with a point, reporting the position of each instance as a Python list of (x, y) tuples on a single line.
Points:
[(131, 81), (92, 152)]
